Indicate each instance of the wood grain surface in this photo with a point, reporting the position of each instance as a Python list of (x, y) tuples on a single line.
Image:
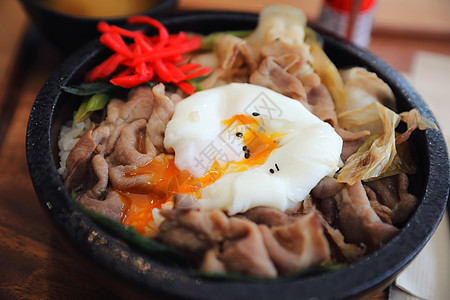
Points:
[(34, 264)]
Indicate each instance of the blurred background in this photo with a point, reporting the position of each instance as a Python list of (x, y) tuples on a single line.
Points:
[(405, 33), (403, 26)]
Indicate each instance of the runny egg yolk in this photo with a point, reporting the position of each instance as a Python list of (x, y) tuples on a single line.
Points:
[(164, 179)]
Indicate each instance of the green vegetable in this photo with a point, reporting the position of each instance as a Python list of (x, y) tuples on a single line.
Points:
[(89, 105), (82, 112), (97, 102), (196, 82), (239, 277), (73, 194), (135, 240), (153, 83), (209, 40), (317, 270), (88, 89)]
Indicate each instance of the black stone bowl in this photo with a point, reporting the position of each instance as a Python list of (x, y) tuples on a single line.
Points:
[(70, 32), (370, 274)]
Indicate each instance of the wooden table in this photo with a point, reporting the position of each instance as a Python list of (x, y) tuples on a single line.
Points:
[(33, 262)]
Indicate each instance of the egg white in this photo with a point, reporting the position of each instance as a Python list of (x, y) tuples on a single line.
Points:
[(309, 149)]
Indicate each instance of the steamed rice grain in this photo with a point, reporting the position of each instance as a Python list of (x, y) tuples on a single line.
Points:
[(68, 137)]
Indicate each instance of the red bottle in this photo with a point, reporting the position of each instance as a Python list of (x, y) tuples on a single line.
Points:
[(352, 19)]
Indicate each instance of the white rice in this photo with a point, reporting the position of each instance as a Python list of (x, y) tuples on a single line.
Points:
[(69, 135), (158, 219)]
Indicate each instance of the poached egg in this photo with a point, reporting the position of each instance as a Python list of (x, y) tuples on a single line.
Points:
[(245, 146)]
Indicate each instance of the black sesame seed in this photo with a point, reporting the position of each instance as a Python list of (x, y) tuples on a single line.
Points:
[(245, 148), (255, 114), (239, 134), (247, 155), (272, 171), (276, 166)]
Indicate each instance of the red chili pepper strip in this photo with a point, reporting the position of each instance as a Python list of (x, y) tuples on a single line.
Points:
[(168, 52), (178, 39), (94, 74), (141, 68), (126, 33), (162, 71), (163, 33), (105, 69), (130, 80), (189, 67), (186, 87), (111, 64), (115, 42), (188, 46), (140, 40), (137, 50), (177, 74), (157, 58), (197, 73), (125, 72), (102, 26), (175, 59)]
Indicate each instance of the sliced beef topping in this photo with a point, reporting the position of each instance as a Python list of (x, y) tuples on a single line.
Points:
[(296, 245), (79, 160), (192, 230), (322, 105), (244, 250), (100, 167), (342, 251), (293, 55), (328, 207), (392, 192), (267, 215), (119, 180), (156, 125), (358, 221), (138, 106), (115, 131), (233, 53), (327, 187), (239, 245), (212, 264), (129, 148), (271, 75), (234, 61), (112, 206)]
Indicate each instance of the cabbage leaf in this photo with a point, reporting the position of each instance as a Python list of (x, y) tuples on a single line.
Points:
[(378, 151), (328, 73), (414, 120), (385, 152)]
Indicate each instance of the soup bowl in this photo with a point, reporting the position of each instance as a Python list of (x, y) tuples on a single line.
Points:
[(69, 31), (140, 271)]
